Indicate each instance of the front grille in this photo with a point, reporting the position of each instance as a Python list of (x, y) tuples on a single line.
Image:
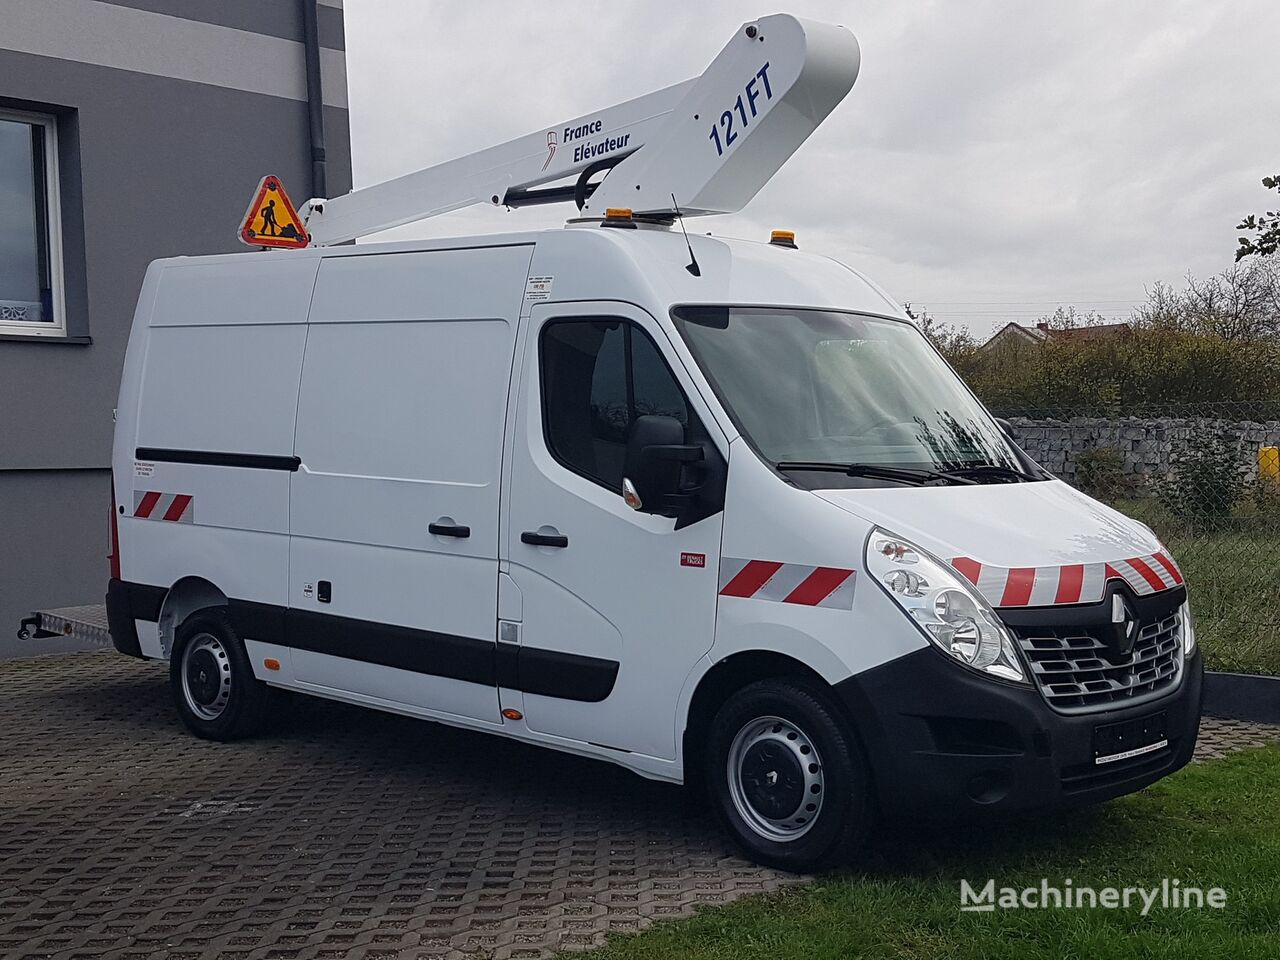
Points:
[(1078, 673)]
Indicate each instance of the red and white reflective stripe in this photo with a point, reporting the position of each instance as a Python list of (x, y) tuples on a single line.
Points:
[(798, 583), (1070, 583), (174, 507)]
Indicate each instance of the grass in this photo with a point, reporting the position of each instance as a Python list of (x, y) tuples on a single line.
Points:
[(1213, 824), (1233, 576)]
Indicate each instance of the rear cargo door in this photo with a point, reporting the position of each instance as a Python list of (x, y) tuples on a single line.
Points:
[(394, 509)]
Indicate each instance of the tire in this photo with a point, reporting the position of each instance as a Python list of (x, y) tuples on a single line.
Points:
[(787, 778), (213, 686)]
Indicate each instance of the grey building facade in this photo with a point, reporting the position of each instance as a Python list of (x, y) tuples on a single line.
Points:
[(129, 130)]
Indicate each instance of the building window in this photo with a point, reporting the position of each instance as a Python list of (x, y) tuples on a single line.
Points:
[(30, 234)]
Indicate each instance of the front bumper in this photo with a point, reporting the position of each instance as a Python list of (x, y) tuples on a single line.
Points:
[(944, 740)]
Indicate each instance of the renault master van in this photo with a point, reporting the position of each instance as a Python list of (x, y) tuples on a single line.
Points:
[(743, 529)]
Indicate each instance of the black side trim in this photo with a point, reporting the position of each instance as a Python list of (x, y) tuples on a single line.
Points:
[(548, 673), (507, 664), (261, 621), (127, 602), (422, 651), (551, 673), (216, 458), (569, 676)]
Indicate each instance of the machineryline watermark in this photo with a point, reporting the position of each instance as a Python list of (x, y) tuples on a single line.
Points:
[(1066, 895)]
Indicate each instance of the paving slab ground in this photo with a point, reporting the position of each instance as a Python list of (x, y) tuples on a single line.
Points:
[(344, 833)]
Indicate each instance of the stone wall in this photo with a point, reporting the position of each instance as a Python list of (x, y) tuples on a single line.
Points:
[(1149, 446)]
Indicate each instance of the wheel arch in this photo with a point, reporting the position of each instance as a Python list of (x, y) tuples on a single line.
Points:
[(724, 679), (184, 598)]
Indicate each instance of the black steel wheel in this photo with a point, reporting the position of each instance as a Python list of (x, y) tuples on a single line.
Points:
[(213, 685), (787, 777)]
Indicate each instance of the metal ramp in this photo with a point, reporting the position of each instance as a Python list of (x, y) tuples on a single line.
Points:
[(87, 624)]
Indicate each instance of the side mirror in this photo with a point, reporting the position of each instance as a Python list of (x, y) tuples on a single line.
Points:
[(1007, 427), (653, 467)]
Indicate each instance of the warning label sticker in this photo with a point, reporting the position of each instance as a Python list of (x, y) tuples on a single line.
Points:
[(538, 288), (143, 469)]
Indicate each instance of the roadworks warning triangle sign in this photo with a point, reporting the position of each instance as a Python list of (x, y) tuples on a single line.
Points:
[(272, 220)]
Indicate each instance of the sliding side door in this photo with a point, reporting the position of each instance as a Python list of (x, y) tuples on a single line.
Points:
[(394, 510)]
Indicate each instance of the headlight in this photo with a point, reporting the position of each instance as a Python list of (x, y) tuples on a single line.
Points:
[(1188, 629), (946, 607)]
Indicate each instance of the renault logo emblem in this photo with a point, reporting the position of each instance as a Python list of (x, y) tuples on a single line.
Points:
[(1124, 625)]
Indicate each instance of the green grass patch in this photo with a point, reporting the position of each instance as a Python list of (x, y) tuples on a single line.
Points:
[(1213, 824)]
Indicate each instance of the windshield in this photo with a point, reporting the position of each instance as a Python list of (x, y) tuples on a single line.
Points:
[(819, 387)]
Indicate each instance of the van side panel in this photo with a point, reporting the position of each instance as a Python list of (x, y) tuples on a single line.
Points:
[(229, 389), (240, 289), (400, 426), (223, 349)]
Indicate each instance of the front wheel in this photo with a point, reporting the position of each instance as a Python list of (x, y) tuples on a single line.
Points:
[(787, 778), (213, 685)]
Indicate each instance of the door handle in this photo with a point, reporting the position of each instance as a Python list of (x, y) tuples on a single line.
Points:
[(449, 530), (535, 539)]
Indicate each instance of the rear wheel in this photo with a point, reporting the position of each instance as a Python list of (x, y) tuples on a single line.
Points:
[(787, 778), (213, 685)]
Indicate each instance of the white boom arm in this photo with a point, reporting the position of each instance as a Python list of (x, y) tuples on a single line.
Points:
[(712, 141)]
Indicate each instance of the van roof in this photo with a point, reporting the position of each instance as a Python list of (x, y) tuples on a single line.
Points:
[(645, 266)]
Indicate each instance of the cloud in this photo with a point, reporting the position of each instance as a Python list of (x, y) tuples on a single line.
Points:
[(1014, 153)]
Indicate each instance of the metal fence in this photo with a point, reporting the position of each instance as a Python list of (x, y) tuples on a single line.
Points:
[(1206, 478)]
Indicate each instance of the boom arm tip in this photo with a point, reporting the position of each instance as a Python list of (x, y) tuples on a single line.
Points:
[(712, 142)]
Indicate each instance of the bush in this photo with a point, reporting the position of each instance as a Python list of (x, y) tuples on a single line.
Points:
[(1218, 340), (1205, 484), (1265, 496), (1100, 471)]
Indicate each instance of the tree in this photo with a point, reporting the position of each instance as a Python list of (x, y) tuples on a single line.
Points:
[(951, 341), (1214, 340), (1266, 225), (1241, 303)]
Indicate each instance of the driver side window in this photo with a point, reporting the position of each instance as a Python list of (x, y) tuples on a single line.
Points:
[(598, 376)]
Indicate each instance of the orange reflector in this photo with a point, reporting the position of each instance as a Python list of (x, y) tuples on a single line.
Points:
[(514, 714), (618, 213), (783, 238), (271, 663)]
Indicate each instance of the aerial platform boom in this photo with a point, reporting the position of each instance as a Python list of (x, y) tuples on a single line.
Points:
[(706, 146)]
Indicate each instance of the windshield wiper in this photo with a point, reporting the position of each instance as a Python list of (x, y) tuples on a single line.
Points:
[(876, 471), (991, 470)]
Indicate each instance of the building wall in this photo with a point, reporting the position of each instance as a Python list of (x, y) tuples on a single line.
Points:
[(57, 556), (165, 125)]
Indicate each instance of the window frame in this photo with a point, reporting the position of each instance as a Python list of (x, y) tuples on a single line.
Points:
[(694, 426), (57, 327)]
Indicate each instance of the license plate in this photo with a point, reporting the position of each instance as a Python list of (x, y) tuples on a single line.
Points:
[(1130, 738)]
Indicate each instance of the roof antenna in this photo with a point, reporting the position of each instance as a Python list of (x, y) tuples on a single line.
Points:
[(692, 266)]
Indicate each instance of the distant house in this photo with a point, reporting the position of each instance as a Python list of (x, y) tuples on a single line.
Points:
[(1014, 336)]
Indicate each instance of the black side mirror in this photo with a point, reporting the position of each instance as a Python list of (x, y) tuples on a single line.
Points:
[(654, 465), (1007, 427)]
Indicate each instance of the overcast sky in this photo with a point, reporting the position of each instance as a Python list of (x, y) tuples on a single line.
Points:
[(993, 159)]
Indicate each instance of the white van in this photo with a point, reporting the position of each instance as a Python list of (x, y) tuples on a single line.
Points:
[(745, 529)]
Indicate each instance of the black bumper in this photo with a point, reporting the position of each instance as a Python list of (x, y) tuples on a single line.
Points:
[(943, 740), (127, 602)]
